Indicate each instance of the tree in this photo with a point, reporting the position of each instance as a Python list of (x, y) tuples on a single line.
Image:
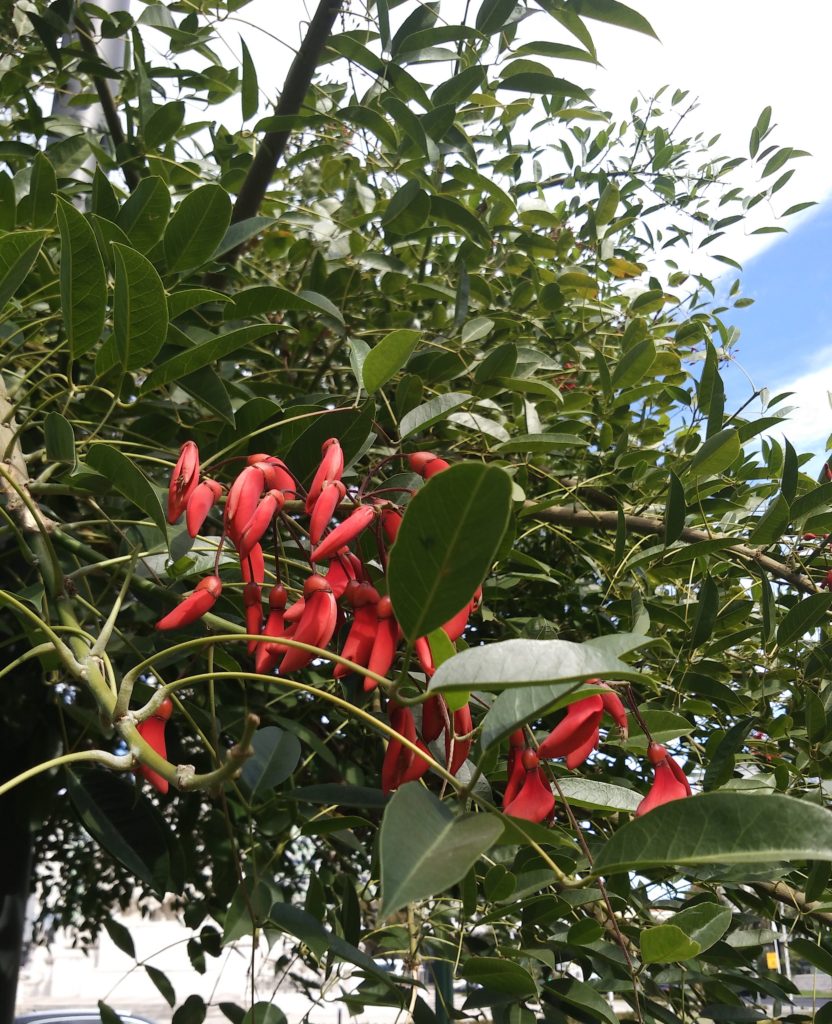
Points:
[(392, 264)]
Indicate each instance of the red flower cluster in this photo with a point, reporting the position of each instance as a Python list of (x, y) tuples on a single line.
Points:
[(528, 793), (346, 600), (153, 731)]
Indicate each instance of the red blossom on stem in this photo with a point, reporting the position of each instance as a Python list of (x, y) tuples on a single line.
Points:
[(534, 800), (192, 607), (152, 730), (670, 782), (183, 480)]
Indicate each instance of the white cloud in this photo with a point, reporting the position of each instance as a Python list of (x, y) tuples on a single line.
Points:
[(810, 422)]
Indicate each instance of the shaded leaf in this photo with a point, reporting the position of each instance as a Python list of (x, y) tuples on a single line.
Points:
[(416, 864), (140, 312), (82, 280)]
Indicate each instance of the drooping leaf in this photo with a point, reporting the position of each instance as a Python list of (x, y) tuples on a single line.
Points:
[(18, 251), (446, 543), (145, 214), (140, 312), (499, 975), (207, 352), (419, 863), (430, 412), (82, 281), (124, 823), (197, 227), (521, 663), (276, 754), (59, 437), (126, 477), (387, 357), (721, 828)]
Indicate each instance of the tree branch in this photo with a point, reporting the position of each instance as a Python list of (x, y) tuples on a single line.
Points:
[(793, 898), (108, 106), (295, 89), (647, 526)]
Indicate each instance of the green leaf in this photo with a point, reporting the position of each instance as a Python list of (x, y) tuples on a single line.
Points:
[(520, 663), (18, 251), (614, 13), (192, 359), (140, 311), (543, 83), (431, 412), (127, 479), (387, 357), (145, 214), (59, 437), (120, 936), (408, 210), (192, 1011), (189, 298), (707, 608), (268, 298), (803, 617), (125, 823), (598, 795), (196, 228), (720, 828), (499, 975), (40, 208), (539, 443), (773, 522), (276, 755), (666, 944), (704, 923), (82, 280), (493, 15), (719, 452), (108, 1014), (249, 92), (607, 204), (423, 862), (239, 233), (163, 124), (811, 951), (308, 929), (162, 983), (447, 541), (445, 210), (634, 365), (721, 765), (264, 1013), (584, 997), (675, 510)]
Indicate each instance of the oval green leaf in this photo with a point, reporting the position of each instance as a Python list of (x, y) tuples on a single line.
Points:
[(197, 227), (388, 357), (446, 544), (140, 311), (721, 828), (417, 863), (83, 282)]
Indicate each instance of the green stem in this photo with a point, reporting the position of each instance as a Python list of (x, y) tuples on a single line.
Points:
[(118, 762)]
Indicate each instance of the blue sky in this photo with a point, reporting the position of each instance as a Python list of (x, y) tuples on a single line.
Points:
[(786, 340)]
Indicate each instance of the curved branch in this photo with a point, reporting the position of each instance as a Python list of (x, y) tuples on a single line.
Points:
[(647, 526)]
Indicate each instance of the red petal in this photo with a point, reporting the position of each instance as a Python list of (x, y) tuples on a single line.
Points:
[(666, 787), (535, 801), (581, 721)]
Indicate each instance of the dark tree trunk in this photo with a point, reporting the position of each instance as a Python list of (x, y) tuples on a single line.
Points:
[(15, 880)]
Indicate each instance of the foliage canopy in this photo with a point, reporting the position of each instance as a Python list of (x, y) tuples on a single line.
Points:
[(453, 250)]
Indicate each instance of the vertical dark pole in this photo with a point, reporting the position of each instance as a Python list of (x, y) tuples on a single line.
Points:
[(15, 878)]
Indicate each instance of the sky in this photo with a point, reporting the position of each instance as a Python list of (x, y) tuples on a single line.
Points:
[(737, 57)]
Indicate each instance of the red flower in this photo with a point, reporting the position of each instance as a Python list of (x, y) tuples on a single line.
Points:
[(152, 730), (576, 735), (192, 607), (199, 504), (670, 782), (183, 481), (535, 800), (401, 764)]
